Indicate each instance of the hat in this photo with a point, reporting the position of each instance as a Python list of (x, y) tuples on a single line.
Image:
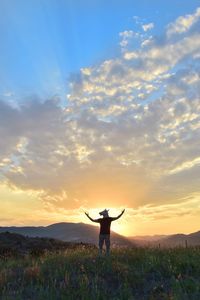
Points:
[(104, 212)]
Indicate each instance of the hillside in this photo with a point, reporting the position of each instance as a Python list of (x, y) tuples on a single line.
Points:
[(85, 233), (146, 240), (130, 273), (14, 244), (177, 240), (71, 232), (174, 240)]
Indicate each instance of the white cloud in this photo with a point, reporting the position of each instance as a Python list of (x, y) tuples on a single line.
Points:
[(186, 165), (147, 27), (183, 23)]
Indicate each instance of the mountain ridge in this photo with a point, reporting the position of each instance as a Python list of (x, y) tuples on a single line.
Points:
[(86, 233), (172, 240), (69, 232)]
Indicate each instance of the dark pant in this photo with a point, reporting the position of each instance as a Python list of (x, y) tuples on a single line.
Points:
[(104, 238)]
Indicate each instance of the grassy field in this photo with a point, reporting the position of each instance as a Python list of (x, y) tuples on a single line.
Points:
[(81, 274)]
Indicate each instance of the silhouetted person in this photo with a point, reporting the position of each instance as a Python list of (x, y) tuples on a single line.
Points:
[(104, 235)]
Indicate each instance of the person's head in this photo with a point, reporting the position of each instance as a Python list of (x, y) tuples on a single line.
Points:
[(104, 213)]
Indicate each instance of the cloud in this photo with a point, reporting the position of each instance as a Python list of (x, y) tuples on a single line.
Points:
[(125, 37), (183, 23), (147, 27), (151, 212), (186, 165), (128, 132)]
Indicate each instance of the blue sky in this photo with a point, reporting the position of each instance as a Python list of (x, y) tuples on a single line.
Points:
[(43, 42)]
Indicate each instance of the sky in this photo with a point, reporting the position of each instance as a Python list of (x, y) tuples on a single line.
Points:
[(100, 108)]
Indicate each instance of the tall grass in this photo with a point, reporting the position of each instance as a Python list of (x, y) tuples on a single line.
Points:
[(81, 274)]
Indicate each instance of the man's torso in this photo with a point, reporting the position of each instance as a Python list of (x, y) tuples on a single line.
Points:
[(105, 225)]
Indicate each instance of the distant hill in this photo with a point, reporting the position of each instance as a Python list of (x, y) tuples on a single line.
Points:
[(174, 240), (85, 233), (146, 240), (71, 232)]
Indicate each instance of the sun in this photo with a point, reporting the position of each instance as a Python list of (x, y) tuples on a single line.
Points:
[(120, 228)]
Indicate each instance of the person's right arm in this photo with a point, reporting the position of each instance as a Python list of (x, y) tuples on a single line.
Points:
[(93, 220)]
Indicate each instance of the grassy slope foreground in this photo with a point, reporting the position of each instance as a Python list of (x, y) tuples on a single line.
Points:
[(81, 274)]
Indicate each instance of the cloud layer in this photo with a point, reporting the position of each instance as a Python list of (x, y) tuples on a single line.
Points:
[(128, 135)]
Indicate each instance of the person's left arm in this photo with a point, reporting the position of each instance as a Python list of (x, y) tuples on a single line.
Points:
[(116, 218)]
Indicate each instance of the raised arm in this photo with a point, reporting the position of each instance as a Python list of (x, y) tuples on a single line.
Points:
[(93, 220), (119, 215)]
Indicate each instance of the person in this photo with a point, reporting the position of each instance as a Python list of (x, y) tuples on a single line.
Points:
[(105, 223)]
